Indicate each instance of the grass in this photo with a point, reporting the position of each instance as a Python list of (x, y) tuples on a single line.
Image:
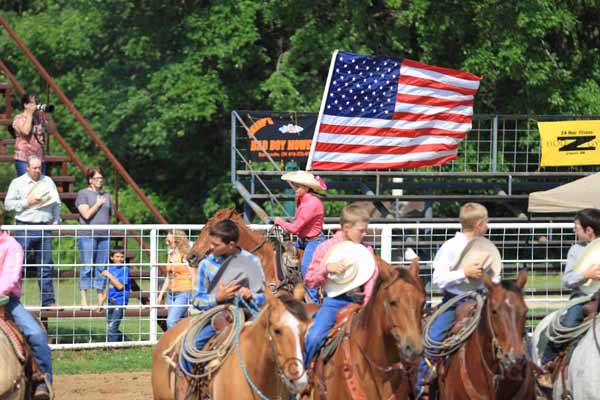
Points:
[(102, 360)]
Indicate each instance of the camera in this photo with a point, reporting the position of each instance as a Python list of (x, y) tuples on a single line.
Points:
[(44, 107)]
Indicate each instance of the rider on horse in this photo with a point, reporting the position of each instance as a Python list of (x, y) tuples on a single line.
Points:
[(587, 229), (308, 223), (354, 221), (11, 268), (473, 219), (223, 244)]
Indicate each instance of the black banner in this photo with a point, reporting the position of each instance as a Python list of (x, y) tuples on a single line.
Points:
[(285, 136)]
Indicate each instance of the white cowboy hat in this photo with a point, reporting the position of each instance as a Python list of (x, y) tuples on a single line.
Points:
[(481, 250), (361, 266), (305, 178), (589, 257)]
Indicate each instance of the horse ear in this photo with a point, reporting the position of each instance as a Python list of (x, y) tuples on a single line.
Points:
[(414, 268), (271, 299), (299, 292), (487, 281), (385, 269), (522, 278)]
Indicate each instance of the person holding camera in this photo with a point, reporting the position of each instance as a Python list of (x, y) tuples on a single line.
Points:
[(29, 133)]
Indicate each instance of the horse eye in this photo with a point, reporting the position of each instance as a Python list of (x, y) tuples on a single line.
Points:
[(494, 311), (277, 332), (394, 303)]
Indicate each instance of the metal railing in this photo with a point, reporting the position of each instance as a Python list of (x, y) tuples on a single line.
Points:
[(540, 247)]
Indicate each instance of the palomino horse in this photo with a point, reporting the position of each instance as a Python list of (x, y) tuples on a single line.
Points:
[(383, 342), (14, 383), (270, 346), (249, 240), (493, 363)]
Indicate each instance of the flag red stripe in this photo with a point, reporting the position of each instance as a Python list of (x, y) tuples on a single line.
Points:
[(394, 132), (441, 70), (340, 166), (370, 149), (431, 101), (459, 118), (414, 81)]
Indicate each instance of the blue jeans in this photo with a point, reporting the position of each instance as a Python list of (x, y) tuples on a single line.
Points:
[(114, 316), (201, 339), (573, 317), (439, 331), (176, 314), (324, 321), (21, 167), (309, 249), (35, 335), (40, 242), (94, 257)]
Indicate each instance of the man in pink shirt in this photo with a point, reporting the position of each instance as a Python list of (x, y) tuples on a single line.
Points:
[(308, 223), (354, 222), (11, 267)]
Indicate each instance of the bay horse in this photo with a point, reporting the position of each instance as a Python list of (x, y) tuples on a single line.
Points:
[(249, 240), (271, 350), (493, 363), (383, 342)]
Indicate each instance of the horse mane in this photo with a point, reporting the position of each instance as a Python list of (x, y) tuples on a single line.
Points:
[(295, 307), (388, 276)]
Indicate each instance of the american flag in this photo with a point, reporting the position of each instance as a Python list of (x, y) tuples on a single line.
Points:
[(380, 113)]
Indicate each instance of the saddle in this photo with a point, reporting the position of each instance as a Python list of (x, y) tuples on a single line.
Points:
[(337, 333), (288, 263)]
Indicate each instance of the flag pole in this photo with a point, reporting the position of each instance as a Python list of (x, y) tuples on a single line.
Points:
[(313, 145)]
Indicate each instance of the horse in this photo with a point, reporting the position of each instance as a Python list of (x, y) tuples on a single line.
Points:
[(580, 382), (249, 240), (493, 362), (270, 346), (15, 380), (382, 342)]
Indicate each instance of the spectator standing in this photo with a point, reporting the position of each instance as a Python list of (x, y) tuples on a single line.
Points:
[(95, 208), (29, 134), (118, 295), (11, 268), (34, 199), (179, 281)]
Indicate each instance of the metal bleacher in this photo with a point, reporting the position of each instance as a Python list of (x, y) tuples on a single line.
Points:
[(497, 165)]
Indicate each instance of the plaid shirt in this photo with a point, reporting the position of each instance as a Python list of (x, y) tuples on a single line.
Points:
[(206, 272)]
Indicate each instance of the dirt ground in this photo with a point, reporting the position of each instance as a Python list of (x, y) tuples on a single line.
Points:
[(113, 386)]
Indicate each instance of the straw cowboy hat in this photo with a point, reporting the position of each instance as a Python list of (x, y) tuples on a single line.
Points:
[(589, 257), (480, 250), (359, 270), (305, 178)]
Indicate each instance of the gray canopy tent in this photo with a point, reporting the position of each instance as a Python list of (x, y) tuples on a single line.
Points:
[(570, 197)]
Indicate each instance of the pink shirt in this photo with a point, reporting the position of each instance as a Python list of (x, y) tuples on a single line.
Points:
[(11, 265), (308, 222), (28, 145), (317, 271)]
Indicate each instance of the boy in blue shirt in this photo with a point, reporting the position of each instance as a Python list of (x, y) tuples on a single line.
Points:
[(118, 294)]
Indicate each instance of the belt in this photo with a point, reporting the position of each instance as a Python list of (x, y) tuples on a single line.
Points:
[(30, 223), (311, 239)]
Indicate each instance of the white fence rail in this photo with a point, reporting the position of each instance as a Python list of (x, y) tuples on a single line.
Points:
[(540, 247)]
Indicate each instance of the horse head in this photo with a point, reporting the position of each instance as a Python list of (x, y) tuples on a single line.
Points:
[(506, 313), (249, 240), (398, 302), (286, 325)]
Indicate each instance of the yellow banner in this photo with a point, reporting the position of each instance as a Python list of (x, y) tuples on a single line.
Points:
[(569, 143)]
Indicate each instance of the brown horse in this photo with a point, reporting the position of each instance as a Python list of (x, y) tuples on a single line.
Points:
[(249, 240), (271, 350), (493, 363), (382, 345), (15, 377)]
